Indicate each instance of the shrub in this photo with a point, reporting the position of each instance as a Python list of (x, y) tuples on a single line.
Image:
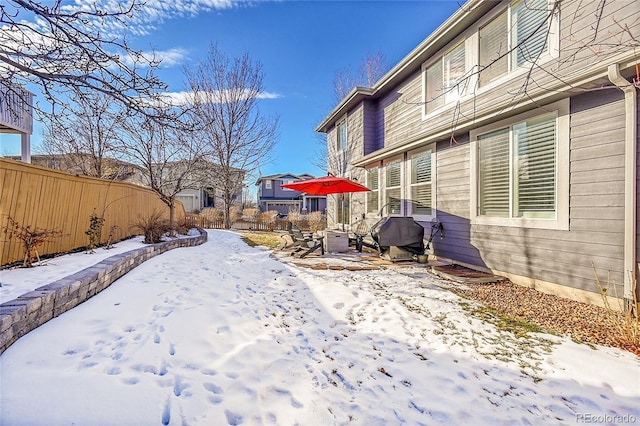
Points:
[(627, 317), (295, 216), (112, 234), (31, 239), (269, 216), (211, 213), (316, 221), (153, 227), (235, 213), (251, 213)]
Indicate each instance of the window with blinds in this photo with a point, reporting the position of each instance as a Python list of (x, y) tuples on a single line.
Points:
[(517, 170), (444, 79), (421, 185), (374, 186), (393, 180), (341, 138), (493, 170), (453, 65), (529, 30), (535, 167), (494, 45), (512, 39)]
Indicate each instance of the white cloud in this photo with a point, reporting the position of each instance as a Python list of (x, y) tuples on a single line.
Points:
[(167, 58), (187, 98)]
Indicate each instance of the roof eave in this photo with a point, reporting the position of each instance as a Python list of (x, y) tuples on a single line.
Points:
[(468, 13)]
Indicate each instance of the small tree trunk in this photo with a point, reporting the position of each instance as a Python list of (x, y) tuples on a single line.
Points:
[(172, 219)]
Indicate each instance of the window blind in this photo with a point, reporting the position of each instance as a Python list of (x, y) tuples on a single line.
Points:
[(435, 98), (494, 41), (535, 142), (421, 183), (373, 185), (493, 169), (453, 73), (393, 174), (528, 41), (392, 187)]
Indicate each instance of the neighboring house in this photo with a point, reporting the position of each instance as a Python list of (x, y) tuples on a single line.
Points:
[(16, 116), (514, 124), (272, 196), (113, 169), (203, 191)]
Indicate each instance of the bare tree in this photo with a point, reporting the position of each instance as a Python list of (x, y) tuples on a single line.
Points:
[(370, 70), (335, 159), (71, 50), (171, 156), (238, 138), (84, 134)]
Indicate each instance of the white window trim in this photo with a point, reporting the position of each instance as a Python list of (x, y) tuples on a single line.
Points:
[(383, 185), (472, 55), (468, 80), (553, 43), (340, 149), (407, 183), (286, 182), (378, 191), (561, 221)]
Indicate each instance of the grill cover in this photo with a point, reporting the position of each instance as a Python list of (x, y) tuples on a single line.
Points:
[(399, 231)]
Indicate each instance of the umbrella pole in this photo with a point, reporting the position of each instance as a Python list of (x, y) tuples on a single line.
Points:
[(343, 218)]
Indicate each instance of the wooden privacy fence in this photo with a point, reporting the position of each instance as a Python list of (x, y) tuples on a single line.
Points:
[(248, 224), (49, 199)]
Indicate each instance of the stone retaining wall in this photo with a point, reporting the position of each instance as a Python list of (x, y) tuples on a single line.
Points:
[(31, 310)]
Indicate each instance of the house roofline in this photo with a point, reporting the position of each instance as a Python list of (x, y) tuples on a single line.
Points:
[(468, 13)]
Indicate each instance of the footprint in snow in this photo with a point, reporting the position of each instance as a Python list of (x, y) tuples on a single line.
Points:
[(166, 413), (338, 305), (113, 371), (233, 418)]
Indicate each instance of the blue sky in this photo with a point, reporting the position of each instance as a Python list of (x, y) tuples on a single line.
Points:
[(300, 44)]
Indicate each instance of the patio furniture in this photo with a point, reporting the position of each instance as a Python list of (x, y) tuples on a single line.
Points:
[(306, 244), (360, 231), (399, 238)]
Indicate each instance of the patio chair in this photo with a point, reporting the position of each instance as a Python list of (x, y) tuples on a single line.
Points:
[(295, 235), (305, 243), (360, 231)]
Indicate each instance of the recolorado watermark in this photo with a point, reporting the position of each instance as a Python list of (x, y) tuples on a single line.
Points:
[(606, 418)]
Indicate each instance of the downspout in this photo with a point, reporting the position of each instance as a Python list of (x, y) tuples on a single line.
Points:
[(630, 185)]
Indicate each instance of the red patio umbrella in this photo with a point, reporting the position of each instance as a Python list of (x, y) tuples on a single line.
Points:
[(327, 185)]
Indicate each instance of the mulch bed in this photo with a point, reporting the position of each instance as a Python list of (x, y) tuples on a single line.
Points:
[(581, 321)]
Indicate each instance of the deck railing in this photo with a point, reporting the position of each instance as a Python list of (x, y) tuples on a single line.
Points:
[(16, 109)]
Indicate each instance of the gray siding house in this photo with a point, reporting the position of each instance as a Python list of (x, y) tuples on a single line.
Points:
[(273, 197), (515, 125)]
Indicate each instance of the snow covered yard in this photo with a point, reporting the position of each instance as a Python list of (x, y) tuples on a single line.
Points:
[(225, 334)]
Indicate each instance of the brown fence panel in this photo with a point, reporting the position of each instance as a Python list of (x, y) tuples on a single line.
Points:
[(49, 199)]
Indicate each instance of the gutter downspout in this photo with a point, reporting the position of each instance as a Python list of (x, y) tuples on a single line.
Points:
[(630, 185)]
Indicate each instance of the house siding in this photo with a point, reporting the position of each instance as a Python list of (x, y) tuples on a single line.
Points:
[(370, 128), (399, 118), (453, 198), (595, 236)]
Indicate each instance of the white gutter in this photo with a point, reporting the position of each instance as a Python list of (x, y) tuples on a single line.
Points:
[(630, 185)]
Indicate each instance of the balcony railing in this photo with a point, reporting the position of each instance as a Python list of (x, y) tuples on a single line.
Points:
[(16, 109)]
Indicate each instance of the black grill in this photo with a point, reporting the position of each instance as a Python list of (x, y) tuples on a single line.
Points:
[(403, 232)]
